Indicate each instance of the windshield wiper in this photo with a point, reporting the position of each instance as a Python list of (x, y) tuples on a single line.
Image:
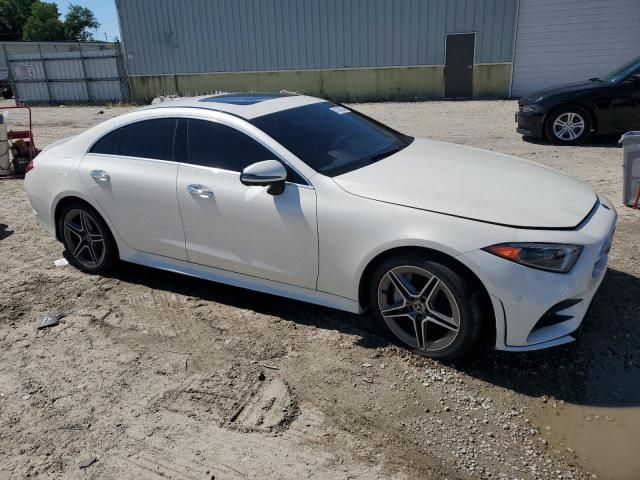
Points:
[(595, 79)]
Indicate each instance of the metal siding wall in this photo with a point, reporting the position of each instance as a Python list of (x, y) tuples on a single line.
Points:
[(197, 36), (572, 41)]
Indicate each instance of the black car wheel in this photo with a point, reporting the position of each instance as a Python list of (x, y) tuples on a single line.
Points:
[(569, 125), (86, 238), (7, 93), (426, 306)]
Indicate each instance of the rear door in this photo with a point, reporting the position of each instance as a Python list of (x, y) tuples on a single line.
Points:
[(131, 174), (238, 228)]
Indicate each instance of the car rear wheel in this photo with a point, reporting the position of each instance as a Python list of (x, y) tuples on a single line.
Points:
[(426, 306), (86, 238), (568, 126)]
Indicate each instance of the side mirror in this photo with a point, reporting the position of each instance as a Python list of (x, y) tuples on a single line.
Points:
[(269, 173)]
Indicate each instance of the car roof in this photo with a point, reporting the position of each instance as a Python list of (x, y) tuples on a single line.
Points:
[(246, 105)]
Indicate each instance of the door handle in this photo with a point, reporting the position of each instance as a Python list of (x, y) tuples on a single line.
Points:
[(100, 175), (200, 190)]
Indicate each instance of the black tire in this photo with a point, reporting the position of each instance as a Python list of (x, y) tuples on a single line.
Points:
[(97, 256), (561, 114), (7, 93), (466, 297)]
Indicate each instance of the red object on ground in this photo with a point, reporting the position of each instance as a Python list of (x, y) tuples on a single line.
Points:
[(24, 135), (635, 204)]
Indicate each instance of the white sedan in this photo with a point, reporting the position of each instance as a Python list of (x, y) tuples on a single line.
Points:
[(299, 197)]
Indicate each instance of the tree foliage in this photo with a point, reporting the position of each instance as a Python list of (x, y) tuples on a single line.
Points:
[(44, 23), (34, 20), (13, 15), (79, 22)]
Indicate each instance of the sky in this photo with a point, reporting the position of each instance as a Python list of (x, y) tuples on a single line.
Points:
[(105, 12)]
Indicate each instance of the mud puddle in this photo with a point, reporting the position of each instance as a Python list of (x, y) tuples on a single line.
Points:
[(605, 441)]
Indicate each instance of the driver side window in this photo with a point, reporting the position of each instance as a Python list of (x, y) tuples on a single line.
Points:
[(215, 145)]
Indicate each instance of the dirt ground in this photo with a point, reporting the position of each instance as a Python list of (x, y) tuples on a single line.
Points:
[(159, 375)]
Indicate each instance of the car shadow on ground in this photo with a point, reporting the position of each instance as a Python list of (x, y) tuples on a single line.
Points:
[(4, 232), (602, 368), (595, 140), (292, 310)]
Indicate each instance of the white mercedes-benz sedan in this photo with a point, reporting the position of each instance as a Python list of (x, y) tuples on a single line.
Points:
[(299, 197)]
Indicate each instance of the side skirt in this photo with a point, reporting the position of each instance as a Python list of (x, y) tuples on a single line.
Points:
[(242, 281)]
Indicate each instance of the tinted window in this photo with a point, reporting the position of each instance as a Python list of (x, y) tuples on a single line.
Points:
[(149, 139), (219, 146), (332, 139), (108, 145)]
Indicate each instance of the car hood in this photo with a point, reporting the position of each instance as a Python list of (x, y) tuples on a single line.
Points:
[(561, 89), (473, 183)]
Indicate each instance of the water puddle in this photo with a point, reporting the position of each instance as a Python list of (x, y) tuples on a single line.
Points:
[(605, 441)]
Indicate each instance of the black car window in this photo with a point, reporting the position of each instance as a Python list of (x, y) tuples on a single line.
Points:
[(220, 146), (330, 138), (624, 72), (109, 144), (149, 139)]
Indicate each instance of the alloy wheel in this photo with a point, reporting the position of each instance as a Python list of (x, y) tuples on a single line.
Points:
[(419, 308), (84, 239), (568, 126)]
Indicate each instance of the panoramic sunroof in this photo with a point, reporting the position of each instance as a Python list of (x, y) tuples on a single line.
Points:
[(244, 98)]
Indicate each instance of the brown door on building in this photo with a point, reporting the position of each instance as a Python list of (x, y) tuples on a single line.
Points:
[(458, 69)]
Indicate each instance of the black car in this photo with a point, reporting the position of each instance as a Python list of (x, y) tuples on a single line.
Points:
[(567, 114)]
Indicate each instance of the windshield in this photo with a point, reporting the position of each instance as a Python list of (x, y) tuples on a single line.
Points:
[(332, 139), (623, 72)]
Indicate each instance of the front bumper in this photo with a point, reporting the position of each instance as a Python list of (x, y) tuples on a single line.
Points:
[(530, 124), (523, 297)]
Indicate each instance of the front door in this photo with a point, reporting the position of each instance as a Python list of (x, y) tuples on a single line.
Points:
[(618, 106), (244, 229), (458, 70), (130, 174)]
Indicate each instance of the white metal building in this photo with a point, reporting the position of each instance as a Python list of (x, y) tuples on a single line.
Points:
[(571, 40)]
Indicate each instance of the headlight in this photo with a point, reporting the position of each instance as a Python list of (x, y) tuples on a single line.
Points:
[(554, 257), (532, 108)]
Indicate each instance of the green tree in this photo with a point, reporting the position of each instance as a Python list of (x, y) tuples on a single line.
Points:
[(79, 23), (44, 23), (13, 15)]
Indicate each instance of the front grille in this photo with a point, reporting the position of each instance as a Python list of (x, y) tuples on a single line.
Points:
[(553, 315)]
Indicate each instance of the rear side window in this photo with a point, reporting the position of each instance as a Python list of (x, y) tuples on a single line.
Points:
[(149, 139), (108, 145), (219, 146)]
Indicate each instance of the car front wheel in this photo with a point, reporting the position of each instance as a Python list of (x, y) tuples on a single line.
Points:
[(568, 126), (426, 306), (86, 238)]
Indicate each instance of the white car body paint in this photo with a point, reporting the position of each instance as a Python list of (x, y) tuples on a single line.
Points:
[(314, 242)]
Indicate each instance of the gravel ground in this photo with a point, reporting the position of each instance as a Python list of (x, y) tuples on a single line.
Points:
[(159, 375)]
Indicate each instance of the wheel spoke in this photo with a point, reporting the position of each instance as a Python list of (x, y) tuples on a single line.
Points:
[(74, 229), (429, 288), (83, 222), (401, 288), (81, 244), (92, 254), (397, 310), (442, 320)]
